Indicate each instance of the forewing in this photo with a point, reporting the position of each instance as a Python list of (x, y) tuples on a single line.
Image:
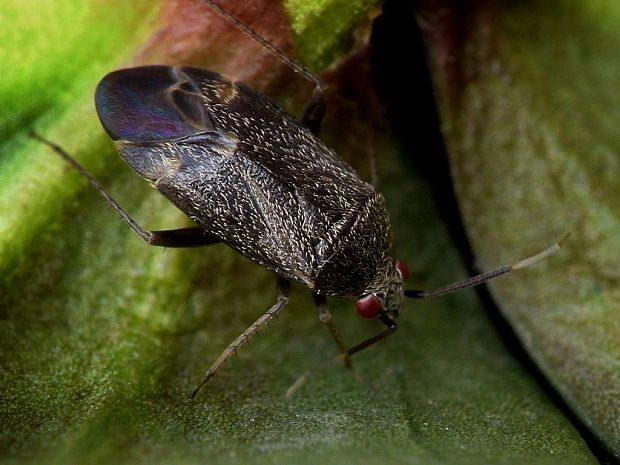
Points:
[(272, 138), (150, 104), (236, 163)]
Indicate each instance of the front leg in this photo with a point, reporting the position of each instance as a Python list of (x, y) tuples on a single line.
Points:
[(325, 316), (320, 303), (391, 327)]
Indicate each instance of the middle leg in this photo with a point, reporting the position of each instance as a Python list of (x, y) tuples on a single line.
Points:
[(320, 303)]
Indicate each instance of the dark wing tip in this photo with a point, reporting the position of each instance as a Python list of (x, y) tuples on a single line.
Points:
[(151, 103)]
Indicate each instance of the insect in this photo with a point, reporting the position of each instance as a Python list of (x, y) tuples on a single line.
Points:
[(254, 177)]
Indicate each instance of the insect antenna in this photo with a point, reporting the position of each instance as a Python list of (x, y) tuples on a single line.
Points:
[(484, 277), (315, 108), (320, 85)]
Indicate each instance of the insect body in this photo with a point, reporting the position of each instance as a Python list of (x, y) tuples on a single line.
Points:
[(257, 179), (250, 175)]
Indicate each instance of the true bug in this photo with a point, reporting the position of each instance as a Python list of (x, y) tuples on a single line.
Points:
[(259, 180)]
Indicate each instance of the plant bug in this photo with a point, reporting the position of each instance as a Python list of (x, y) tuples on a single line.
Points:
[(261, 181)]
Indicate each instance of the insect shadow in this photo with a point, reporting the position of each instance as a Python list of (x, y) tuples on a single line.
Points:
[(259, 180)]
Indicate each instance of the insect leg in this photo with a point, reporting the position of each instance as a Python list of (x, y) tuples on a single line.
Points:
[(320, 303), (315, 110), (283, 287), (184, 237), (391, 327), (372, 158)]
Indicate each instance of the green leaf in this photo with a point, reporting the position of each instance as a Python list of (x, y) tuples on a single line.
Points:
[(102, 338), (327, 29), (531, 109)]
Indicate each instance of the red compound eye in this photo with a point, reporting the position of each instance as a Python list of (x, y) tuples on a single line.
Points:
[(402, 267), (368, 306)]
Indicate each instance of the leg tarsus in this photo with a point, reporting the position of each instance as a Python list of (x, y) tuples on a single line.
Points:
[(283, 287)]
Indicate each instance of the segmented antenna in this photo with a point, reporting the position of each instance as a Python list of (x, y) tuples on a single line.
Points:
[(484, 277), (283, 57)]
